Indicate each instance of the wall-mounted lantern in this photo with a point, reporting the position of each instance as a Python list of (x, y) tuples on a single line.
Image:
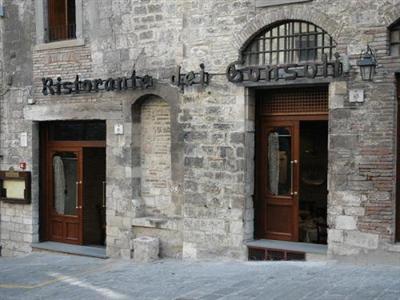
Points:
[(367, 64)]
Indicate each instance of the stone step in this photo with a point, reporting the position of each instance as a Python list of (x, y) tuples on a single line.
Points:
[(90, 251)]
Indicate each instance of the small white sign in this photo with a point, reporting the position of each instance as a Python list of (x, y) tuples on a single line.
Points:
[(23, 139), (119, 129), (31, 101), (356, 96)]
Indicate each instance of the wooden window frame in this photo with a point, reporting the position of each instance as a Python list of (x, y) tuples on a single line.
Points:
[(61, 18), (42, 25)]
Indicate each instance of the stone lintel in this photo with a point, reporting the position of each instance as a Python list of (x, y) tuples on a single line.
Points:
[(266, 3)]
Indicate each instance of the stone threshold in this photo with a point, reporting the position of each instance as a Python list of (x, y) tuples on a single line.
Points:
[(90, 251), (289, 246)]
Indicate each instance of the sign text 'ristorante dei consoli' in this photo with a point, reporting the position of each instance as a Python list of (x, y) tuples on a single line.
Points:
[(234, 74)]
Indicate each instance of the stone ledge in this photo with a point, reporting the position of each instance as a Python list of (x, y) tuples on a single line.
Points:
[(61, 44), (266, 3), (169, 223), (393, 247)]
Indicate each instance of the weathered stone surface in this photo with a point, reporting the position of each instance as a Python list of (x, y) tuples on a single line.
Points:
[(206, 162), (362, 240), (335, 236), (346, 223), (145, 249)]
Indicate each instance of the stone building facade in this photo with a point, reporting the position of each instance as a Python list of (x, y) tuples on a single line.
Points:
[(181, 162)]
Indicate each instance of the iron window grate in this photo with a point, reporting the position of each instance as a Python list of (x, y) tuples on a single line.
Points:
[(289, 42)]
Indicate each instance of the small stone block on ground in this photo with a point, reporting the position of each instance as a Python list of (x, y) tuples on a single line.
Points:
[(145, 249)]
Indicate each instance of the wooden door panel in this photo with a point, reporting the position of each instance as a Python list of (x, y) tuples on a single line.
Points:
[(64, 194), (72, 233), (277, 180), (56, 229), (279, 221)]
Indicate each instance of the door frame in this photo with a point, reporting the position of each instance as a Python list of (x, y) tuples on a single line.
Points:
[(259, 231), (45, 147)]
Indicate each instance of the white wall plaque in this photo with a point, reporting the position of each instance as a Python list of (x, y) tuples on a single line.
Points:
[(23, 139), (118, 129), (356, 96)]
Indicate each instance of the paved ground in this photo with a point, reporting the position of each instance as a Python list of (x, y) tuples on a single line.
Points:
[(53, 276)]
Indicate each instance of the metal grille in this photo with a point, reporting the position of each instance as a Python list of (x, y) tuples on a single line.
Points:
[(259, 254), (275, 255), (295, 101), (295, 256), (289, 42), (256, 254)]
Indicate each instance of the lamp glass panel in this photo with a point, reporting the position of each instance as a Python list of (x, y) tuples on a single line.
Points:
[(395, 50), (367, 72)]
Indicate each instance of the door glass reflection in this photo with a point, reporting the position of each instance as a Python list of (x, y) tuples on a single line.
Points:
[(65, 167), (279, 157)]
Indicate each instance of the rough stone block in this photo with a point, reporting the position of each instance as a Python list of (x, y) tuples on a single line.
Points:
[(346, 223), (335, 236), (342, 250), (336, 101), (362, 240), (348, 198), (145, 249), (354, 211), (189, 251), (338, 88)]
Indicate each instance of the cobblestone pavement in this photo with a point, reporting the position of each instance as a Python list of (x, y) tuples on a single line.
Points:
[(53, 276)]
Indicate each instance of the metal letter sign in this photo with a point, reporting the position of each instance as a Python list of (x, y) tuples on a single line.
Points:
[(269, 73), (58, 87), (191, 78)]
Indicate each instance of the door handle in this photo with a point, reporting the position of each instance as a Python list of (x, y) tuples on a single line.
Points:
[(292, 163), (104, 194), (77, 194)]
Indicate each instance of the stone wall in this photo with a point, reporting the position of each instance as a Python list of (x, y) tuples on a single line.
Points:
[(214, 172), (212, 177), (18, 223)]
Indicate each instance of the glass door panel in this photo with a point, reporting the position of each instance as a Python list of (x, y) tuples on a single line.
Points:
[(279, 162), (65, 183)]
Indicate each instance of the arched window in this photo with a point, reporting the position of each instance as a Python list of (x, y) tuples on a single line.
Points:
[(289, 42), (395, 39)]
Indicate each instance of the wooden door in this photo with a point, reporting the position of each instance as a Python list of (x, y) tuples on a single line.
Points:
[(64, 195), (278, 180)]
